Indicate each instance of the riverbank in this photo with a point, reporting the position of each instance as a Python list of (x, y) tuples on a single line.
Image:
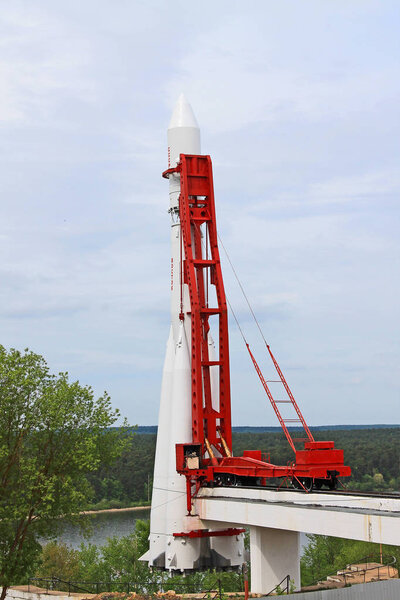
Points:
[(103, 524), (114, 510)]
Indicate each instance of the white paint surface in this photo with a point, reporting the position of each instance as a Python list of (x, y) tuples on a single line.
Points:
[(288, 513), (274, 554)]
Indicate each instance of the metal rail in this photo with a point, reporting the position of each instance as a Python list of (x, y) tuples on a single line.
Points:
[(95, 587), (277, 590)]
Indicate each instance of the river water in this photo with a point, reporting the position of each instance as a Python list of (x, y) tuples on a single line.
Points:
[(103, 526), (119, 524)]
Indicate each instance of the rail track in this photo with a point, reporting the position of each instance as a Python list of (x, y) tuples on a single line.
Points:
[(337, 492)]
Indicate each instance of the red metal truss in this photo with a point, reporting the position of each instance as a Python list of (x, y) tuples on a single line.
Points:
[(211, 418)]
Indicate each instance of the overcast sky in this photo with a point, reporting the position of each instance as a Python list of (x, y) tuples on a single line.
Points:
[(298, 105)]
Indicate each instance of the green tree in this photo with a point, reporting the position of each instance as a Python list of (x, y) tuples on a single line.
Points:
[(60, 561), (52, 434), (319, 557)]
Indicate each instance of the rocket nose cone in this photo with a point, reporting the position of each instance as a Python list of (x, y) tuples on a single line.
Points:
[(182, 115)]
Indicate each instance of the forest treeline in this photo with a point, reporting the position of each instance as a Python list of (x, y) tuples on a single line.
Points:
[(373, 455)]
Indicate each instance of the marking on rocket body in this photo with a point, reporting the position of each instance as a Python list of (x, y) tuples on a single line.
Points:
[(172, 274)]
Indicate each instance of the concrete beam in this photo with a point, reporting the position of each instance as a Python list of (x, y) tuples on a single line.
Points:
[(359, 518)]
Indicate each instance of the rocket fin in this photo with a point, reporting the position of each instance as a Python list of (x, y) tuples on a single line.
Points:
[(145, 557)]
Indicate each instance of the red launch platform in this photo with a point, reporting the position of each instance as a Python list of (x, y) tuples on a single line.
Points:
[(207, 458)]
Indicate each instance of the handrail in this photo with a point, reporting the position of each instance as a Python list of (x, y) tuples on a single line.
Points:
[(287, 579), (53, 579), (214, 592)]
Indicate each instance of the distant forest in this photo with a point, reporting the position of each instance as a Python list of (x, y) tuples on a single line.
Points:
[(373, 453), (254, 429)]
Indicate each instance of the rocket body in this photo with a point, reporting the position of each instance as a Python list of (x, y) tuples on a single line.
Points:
[(168, 508)]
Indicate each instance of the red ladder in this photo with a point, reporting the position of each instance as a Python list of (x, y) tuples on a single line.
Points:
[(283, 422)]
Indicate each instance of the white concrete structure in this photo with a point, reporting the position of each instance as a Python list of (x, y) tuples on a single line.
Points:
[(276, 518)]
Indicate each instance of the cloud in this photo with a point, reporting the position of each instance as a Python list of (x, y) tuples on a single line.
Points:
[(302, 125), (261, 67), (39, 63), (367, 186)]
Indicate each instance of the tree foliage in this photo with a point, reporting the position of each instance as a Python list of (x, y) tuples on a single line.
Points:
[(52, 434)]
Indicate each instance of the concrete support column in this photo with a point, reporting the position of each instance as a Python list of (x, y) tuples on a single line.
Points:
[(274, 553)]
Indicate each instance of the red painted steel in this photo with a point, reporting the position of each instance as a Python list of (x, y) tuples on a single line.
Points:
[(318, 462), (202, 533), (197, 217)]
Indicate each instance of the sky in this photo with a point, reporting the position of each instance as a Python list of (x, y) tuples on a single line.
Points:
[(298, 105)]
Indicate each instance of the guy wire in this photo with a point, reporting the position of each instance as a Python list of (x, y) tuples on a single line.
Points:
[(244, 294)]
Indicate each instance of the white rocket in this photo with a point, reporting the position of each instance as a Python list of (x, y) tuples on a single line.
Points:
[(168, 507)]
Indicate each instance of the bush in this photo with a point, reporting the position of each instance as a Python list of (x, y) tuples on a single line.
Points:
[(59, 561)]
